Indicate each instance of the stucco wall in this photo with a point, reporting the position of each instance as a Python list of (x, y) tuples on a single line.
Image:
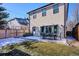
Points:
[(49, 19)]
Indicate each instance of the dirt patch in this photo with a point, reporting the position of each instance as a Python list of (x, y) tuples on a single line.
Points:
[(75, 44)]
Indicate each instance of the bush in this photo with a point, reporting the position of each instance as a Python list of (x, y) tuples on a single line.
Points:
[(69, 33), (27, 34)]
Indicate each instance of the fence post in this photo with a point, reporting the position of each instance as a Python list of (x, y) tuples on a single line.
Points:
[(5, 32), (23, 31), (16, 32)]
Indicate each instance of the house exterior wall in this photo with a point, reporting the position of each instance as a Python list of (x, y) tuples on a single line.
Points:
[(15, 25), (49, 19)]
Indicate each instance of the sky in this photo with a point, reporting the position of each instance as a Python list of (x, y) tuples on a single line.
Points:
[(20, 9)]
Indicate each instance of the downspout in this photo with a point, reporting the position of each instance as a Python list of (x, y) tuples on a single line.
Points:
[(66, 7), (66, 18), (29, 23)]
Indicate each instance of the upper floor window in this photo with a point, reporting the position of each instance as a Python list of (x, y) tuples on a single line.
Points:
[(44, 12), (55, 8), (34, 16)]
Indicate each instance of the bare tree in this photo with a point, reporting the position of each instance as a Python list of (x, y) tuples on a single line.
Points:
[(76, 14), (74, 19), (70, 25)]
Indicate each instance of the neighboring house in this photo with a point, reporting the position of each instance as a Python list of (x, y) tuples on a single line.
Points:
[(18, 23), (49, 19), (75, 31)]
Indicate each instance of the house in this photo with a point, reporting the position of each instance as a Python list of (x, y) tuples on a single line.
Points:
[(49, 19), (18, 23)]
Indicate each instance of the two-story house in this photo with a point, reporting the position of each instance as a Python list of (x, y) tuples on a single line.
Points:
[(18, 23), (49, 19)]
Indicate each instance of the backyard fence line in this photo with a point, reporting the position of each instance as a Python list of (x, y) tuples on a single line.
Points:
[(7, 33)]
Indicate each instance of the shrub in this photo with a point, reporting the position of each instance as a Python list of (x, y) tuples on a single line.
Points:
[(69, 33), (27, 34)]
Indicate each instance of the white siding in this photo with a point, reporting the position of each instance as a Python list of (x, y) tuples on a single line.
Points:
[(15, 25)]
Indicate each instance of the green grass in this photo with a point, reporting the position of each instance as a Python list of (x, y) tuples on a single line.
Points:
[(54, 49), (49, 49), (46, 49)]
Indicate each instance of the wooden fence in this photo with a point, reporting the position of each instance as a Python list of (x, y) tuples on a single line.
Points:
[(76, 31), (6, 33)]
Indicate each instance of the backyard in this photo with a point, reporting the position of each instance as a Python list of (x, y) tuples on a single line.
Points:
[(36, 48)]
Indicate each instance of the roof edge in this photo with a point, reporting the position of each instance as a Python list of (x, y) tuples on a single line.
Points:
[(39, 8)]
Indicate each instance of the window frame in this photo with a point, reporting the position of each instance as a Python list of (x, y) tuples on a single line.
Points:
[(55, 8), (44, 12), (34, 16)]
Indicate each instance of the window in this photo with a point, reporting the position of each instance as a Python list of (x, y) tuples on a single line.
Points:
[(47, 29), (42, 29), (50, 29), (33, 28), (34, 16), (55, 9), (44, 12), (55, 28)]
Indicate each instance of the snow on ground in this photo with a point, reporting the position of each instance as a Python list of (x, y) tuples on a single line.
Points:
[(6, 41), (32, 38), (71, 38), (10, 41)]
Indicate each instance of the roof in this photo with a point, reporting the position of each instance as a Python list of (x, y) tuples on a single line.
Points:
[(20, 20), (77, 24), (40, 8)]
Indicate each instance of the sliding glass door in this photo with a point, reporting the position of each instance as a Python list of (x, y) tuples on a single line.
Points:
[(49, 30), (55, 29)]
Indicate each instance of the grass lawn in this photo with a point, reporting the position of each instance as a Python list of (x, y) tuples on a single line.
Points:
[(46, 49)]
